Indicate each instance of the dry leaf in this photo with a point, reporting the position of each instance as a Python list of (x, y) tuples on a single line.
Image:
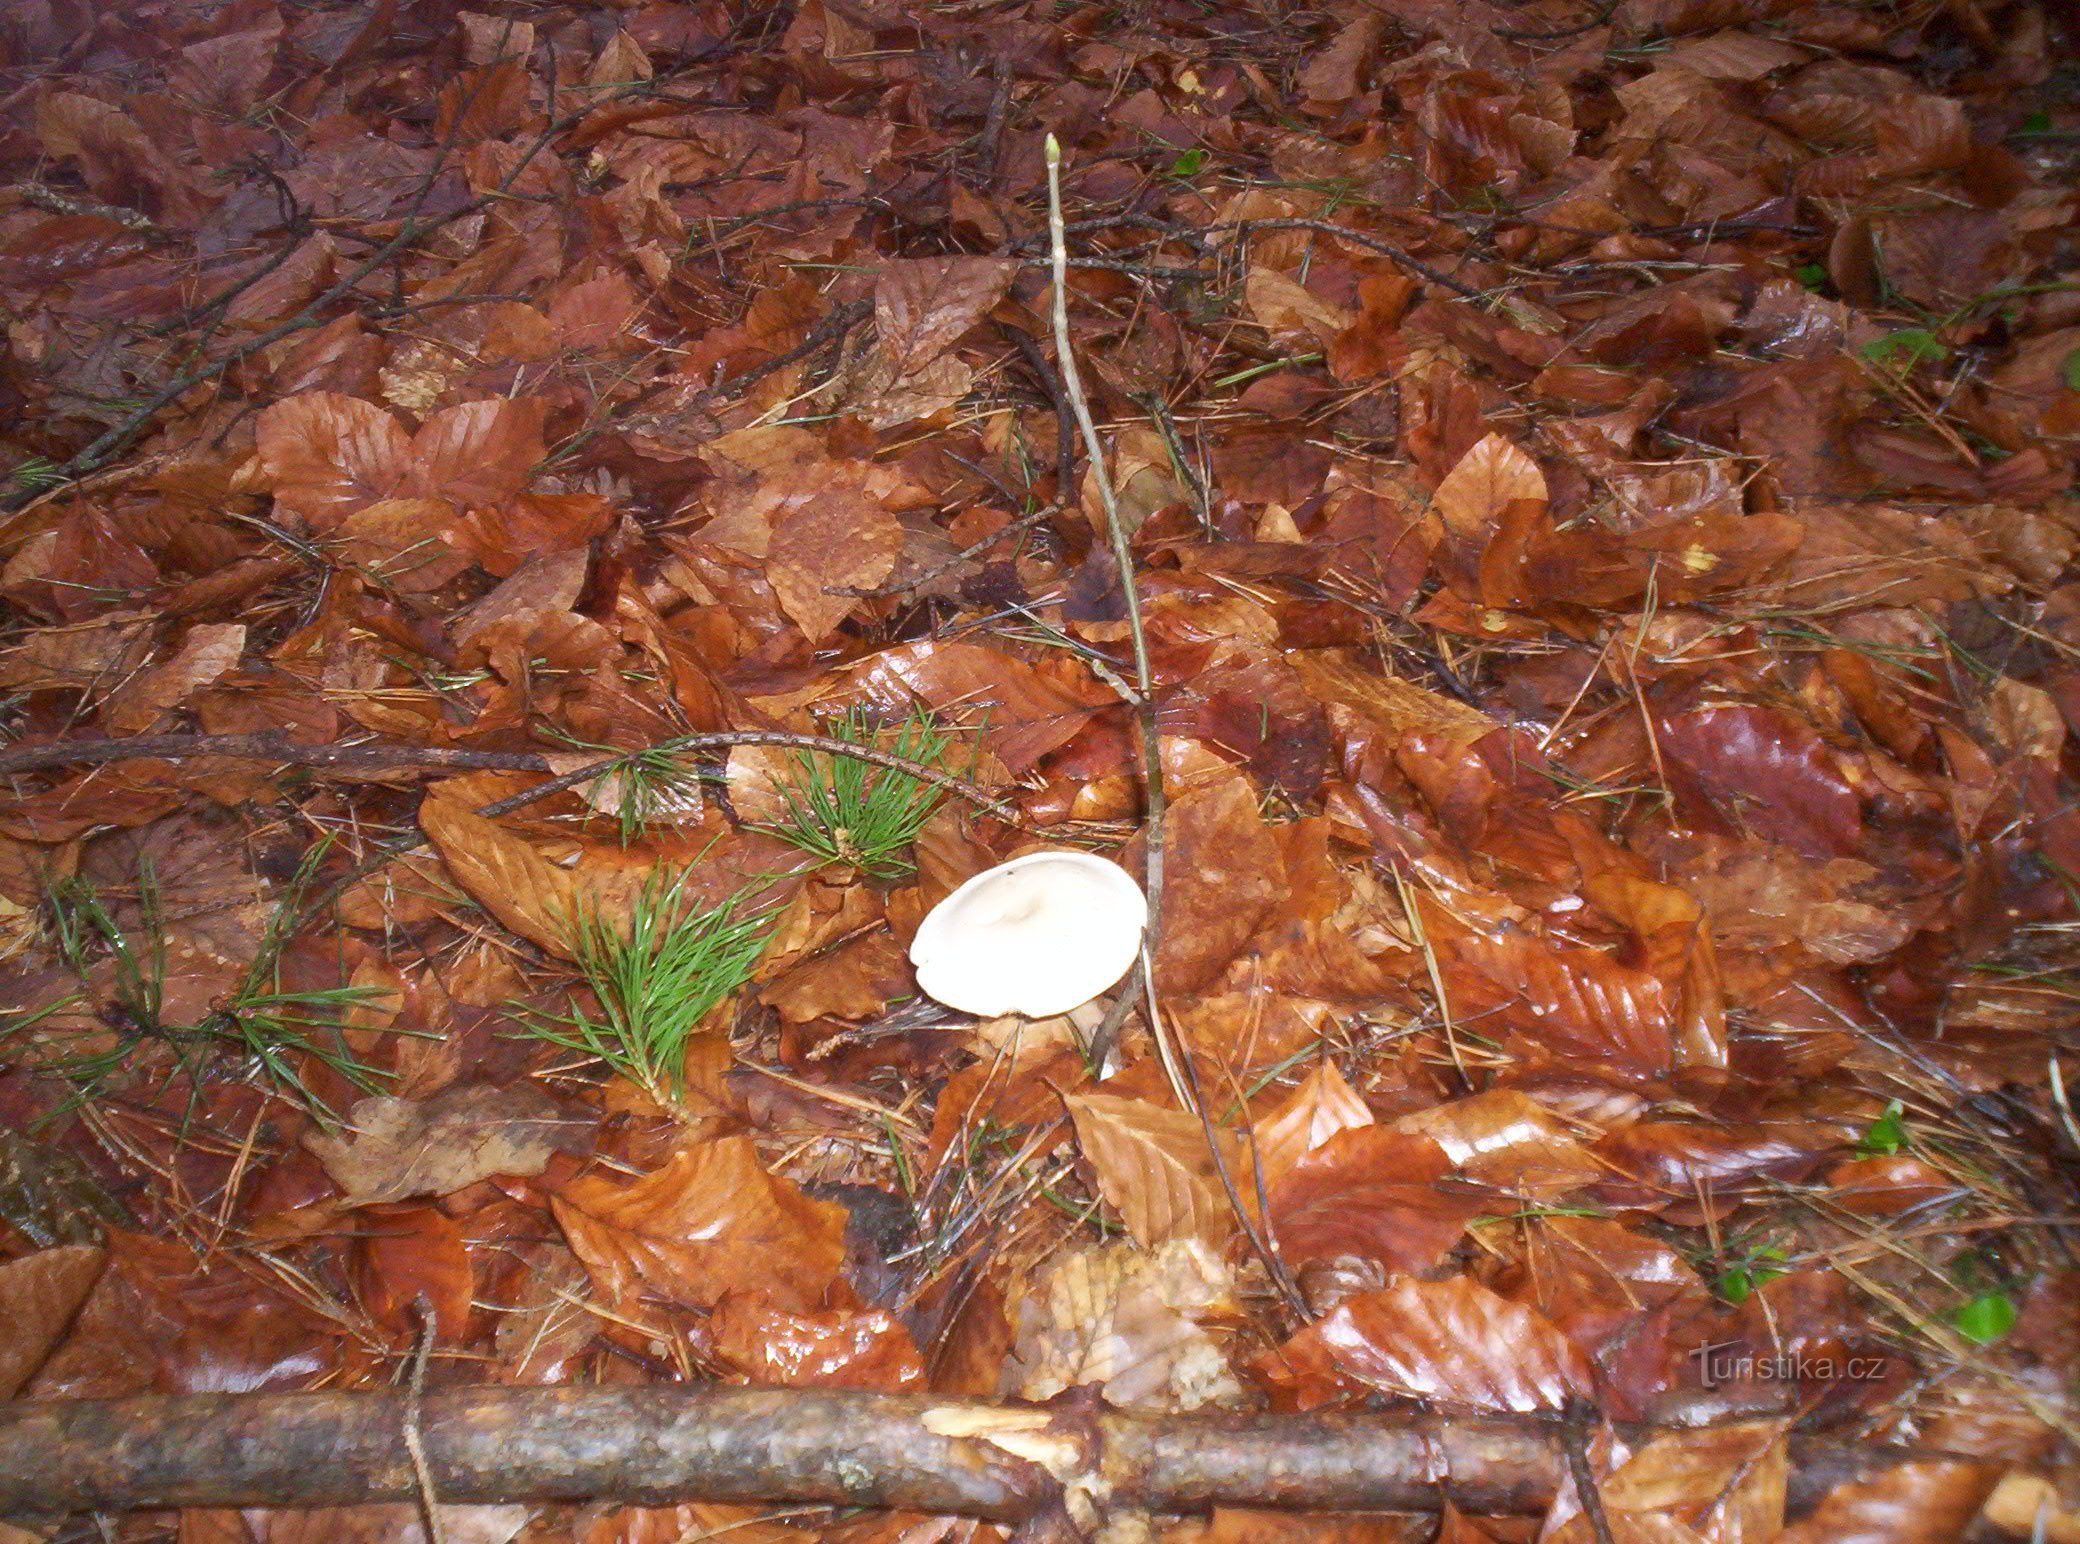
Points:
[(503, 873), (393, 1148), (1128, 1321), (1477, 493)]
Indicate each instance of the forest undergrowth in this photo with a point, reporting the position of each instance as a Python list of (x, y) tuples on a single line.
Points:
[(540, 541)]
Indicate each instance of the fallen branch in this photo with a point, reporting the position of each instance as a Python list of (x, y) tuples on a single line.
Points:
[(661, 1445), (379, 755)]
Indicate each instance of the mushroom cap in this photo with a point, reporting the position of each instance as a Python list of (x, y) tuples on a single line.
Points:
[(1038, 936)]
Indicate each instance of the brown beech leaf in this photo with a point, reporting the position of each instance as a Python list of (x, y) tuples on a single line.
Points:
[(1259, 1525), (827, 545), (1591, 1277), (158, 1322), (1026, 709), (39, 1294), (1928, 1502), (1387, 703), (1323, 1105), (1453, 1341), (693, 1520), (827, 1348), (1130, 1320), (1888, 1186), (1725, 1483), (393, 1148), (325, 455), (710, 1220), (1563, 999), (503, 873), (385, 1522), (1668, 1161), (209, 650), (1291, 312), (1477, 493), (1154, 1167), (1507, 1139), (478, 452), (1371, 1193), (922, 305), (1223, 878), (404, 1253)]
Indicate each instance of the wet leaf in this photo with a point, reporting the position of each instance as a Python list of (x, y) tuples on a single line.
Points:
[(1155, 1168), (830, 1349), (39, 1294), (1371, 1193), (1452, 1341), (711, 1220)]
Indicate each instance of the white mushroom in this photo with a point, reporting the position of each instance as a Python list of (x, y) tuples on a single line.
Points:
[(1037, 936)]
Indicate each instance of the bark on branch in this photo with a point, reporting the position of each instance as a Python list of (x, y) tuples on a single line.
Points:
[(1006, 1462)]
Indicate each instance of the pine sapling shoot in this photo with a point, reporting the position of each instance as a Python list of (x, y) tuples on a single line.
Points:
[(841, 810), (654, 981)]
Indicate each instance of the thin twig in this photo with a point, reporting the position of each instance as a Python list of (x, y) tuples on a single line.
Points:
[(1574, 1442), (378, 754), (1123, 557), (414, 1433)]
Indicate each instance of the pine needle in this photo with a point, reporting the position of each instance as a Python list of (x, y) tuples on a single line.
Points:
[(655, 981)]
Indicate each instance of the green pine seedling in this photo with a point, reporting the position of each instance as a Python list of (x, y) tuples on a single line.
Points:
[(842, 810), (655, 981), (264, 1025)]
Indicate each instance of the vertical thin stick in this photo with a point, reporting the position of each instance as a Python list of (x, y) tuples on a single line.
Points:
[(1123, 558)]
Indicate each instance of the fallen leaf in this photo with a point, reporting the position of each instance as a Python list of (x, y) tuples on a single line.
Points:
[(1155, 1168), (1453, 1341), (830, 1348), (39, 1294), (389, 1149), (712, 1219), (504, 874), (1129, 1321)]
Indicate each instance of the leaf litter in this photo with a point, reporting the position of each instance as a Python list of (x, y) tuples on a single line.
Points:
[(1600, 492)]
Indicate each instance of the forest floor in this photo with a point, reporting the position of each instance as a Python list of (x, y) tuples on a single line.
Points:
[(1599, 482)]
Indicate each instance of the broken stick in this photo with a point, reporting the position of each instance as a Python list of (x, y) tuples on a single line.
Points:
[(1007, 1462)]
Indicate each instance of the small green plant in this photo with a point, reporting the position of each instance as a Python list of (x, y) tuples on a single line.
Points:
[(1189, 164), (1887, 1134), (654, 981), (843, 810), (2069, 371), (265, 1026), (1901, 351), (1746, 1269), (37, 474), (1984, 1318)]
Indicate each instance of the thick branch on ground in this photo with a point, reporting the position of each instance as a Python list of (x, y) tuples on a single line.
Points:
[(659, 1445)]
